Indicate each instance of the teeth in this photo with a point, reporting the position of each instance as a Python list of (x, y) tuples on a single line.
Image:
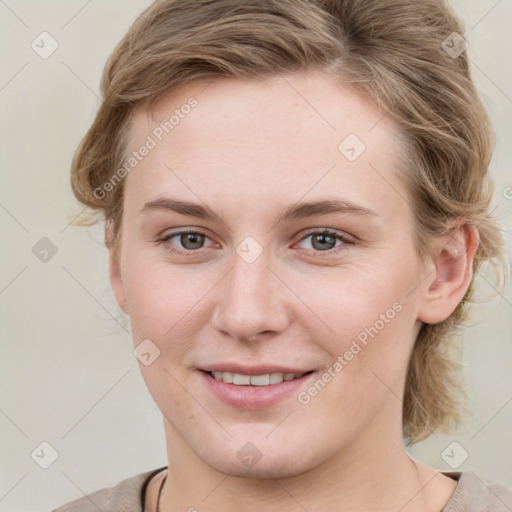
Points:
[(260, 380), (254, 380), (276, 378), (241, 380)]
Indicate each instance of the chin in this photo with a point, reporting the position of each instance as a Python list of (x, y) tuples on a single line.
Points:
[(262, 470), (261, 460)]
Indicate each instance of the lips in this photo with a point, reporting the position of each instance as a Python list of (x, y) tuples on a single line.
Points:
[(254, 387)]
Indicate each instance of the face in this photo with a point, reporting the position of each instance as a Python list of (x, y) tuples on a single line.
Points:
[(258, 240)]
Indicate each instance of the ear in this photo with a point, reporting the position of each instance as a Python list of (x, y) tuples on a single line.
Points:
[(115, 270), (451, 276)]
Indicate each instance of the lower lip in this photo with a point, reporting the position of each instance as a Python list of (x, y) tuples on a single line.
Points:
[(254, 397)]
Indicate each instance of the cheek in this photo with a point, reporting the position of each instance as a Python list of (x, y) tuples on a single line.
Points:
[(369, 321), (160, 299), (350, 300)]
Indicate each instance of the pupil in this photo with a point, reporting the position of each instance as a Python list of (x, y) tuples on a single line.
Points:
[(322, 239), (191, 240)]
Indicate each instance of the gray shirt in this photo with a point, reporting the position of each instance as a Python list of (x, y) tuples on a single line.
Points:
[(472, 494)]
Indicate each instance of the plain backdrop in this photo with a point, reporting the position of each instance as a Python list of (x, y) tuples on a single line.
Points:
[(68, 374)]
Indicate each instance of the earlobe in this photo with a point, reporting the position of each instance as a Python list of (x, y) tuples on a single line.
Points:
[(451, 275), (115, 271)]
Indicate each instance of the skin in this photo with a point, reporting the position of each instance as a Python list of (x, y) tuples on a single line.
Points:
[(247, 151)]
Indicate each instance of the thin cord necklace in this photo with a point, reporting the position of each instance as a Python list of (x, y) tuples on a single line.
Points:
[(159, 499)]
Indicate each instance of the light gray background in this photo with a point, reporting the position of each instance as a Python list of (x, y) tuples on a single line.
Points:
[(68, 374)]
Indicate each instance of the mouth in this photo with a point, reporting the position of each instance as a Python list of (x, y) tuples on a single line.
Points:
[(265, 379), (253, 388)]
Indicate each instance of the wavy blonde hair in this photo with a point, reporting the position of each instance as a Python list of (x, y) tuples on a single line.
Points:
[(391, 50)]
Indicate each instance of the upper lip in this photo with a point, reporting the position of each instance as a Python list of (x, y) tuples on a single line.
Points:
[(252, 370)]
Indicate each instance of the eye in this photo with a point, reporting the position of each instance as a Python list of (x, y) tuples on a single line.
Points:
[(325, 240), (189, 241)]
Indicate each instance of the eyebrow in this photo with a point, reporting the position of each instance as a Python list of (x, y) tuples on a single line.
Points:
[(297, 211)]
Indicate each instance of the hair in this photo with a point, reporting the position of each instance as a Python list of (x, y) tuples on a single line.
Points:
[(392, 51)]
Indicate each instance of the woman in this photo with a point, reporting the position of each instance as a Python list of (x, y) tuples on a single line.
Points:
[(296, 199)]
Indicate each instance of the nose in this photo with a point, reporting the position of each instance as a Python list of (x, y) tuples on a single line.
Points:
[(252, 301)]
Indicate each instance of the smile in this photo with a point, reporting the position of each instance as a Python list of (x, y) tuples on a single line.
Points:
[(267, 379), (256, 391)]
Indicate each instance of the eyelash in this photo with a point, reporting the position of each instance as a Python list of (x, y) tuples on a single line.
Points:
[(343, 238)]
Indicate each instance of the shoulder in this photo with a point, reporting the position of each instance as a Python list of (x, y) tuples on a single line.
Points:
[(473, 494), (123, 497)]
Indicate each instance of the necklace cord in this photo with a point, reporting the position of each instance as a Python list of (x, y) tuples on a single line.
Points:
[(159, 499)]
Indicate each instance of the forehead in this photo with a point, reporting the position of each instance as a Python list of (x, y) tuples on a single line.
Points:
[(285, 137)]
